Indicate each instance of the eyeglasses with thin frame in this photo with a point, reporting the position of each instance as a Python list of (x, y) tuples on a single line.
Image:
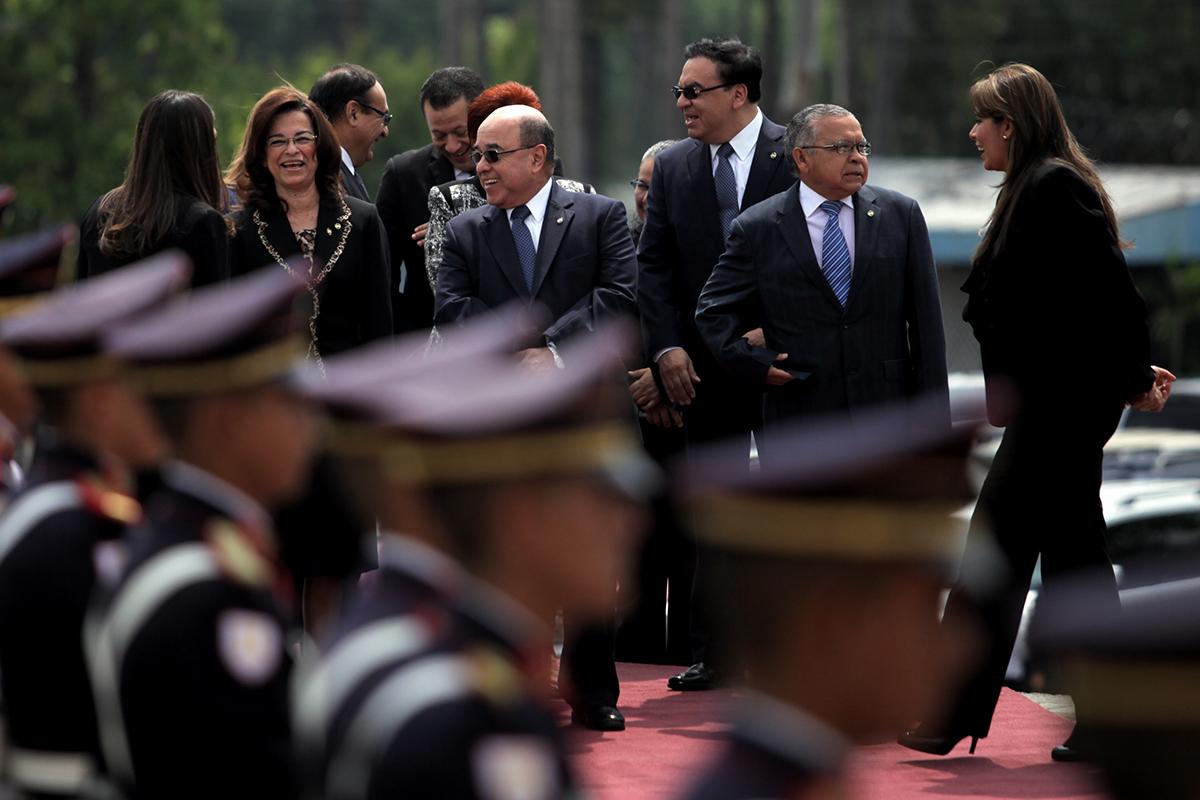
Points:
[(493, 156), (301, 140), (842, 148), (386, 116), (694, 90), (638, 183)]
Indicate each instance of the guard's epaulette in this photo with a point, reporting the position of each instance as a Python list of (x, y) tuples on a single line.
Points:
[(101, 499), (495, 677), (236, 554)]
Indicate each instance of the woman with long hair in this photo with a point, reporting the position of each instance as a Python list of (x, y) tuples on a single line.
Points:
[(287, 178), (1065, 346), (172, 196)]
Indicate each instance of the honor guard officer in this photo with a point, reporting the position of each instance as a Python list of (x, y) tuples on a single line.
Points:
[(29, 269), (1137, 675), (829, 563), (518, 487), (190, 654), (65, 524)]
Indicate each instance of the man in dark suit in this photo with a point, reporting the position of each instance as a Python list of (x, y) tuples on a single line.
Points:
[(356, 105), (535, 243), (733, 159), (843, 277), (569, 253), (403, 193)]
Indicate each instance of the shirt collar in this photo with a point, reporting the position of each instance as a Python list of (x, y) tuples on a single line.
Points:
[(810, 201), (745, 140), (537, 203), (791, 732), (349, 164), (223, 496)]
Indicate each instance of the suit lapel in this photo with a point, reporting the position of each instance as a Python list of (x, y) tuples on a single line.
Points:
[(554, 228), (439, 170), (794, 227), (769, 158), (499, 238), (279, 234), (329, 232), (866, 232), (704, 191)]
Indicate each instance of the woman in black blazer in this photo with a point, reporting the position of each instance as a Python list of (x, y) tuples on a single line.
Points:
[(172, 195), (295, 217), (1065, 346)]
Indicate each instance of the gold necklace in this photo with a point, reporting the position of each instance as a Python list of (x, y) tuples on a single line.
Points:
[(343, 222)]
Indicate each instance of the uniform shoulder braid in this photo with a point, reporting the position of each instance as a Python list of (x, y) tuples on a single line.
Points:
[(103, 500)]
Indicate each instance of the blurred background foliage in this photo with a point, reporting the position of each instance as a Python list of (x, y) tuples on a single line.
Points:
[(77, 72)]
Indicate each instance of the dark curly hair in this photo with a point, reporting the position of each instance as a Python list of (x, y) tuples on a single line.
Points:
[(509, 93), (248, 173)]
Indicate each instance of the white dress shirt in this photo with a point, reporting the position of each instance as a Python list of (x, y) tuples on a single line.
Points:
[(349, 164), (462, 175), (810, 202), (537, 213), (744, 144)]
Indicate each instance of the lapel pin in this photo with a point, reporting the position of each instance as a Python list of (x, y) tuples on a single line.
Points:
[(559, 220), (774, 154), (328, 232), (871, 212)]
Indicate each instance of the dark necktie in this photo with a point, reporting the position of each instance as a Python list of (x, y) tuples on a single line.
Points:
[(727, 199), (835, 255), (523, 239), (362, 188)]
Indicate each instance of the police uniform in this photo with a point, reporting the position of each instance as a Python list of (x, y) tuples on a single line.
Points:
[(436, 686), (189, 653), (61, 532), (873, 494)]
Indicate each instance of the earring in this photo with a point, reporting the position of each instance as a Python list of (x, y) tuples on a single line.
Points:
[(1004, 136)]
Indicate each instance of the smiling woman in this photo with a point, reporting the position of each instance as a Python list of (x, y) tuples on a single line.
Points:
[(287, 177)]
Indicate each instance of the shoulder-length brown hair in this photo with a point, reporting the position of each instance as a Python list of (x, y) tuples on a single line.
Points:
[(174, 150), (1020, 93), (248, 173)]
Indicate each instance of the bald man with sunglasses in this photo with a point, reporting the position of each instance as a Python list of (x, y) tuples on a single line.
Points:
[(534, 242)]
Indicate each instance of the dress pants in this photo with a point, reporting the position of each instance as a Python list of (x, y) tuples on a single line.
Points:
[(1041, 497)]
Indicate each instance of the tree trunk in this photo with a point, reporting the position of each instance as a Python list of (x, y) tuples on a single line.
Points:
[(450, 39), (891, 52), (772, 56), (669, 61), (560, 82)]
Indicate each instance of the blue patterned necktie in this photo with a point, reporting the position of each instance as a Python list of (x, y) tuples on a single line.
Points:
[(835, 255), (727, 198), (523, 239)]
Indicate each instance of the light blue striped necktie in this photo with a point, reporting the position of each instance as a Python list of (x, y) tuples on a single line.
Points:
[(835, 255), (526, 250)]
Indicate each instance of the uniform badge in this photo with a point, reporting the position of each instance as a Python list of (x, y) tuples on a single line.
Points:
[(515, 768), (108, 559), (250, 644), (237, 557)]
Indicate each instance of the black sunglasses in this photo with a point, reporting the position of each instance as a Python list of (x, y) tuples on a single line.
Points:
[(640, 184), (386, 116), (694, 90), (493, 156)]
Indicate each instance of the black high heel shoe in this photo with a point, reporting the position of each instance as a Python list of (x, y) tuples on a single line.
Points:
[(937, 745)]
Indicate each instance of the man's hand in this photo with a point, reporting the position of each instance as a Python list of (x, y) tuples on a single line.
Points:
[(537, 359), (678, 376), (644, 390), (1157, 395), (755, 338), (664, 416), (776, 376), (418, 234)]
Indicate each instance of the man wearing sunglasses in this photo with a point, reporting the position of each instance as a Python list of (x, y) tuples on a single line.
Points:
[(356, 105), (843, 276), (734, 157)]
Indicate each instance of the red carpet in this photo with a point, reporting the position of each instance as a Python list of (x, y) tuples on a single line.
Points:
[(670, 736)]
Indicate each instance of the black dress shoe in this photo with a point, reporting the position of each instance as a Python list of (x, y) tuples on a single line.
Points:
[(934, 743), (1069, 751), (695, 678), (599, 718)]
